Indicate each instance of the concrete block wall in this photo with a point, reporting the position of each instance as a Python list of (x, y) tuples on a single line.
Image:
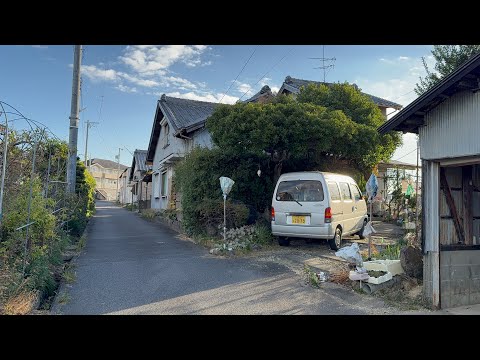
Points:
[(459, 278)]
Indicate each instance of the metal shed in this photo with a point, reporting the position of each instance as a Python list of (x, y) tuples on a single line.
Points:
[(447, 119)]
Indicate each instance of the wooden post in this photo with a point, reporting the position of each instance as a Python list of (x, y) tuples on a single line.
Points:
[(467, 185), (452, 207)]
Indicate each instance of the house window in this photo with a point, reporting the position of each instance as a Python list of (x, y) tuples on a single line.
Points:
[(156, 187), (166, 130), (164, 184)]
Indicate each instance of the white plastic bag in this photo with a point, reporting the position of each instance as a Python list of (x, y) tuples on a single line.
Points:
[(368, 229), (351, 254)]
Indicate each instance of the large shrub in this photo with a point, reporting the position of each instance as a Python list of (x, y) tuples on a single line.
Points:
[(209, 214)]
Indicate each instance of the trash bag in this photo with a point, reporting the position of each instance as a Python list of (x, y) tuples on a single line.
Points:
[(351, 254), (368, 229)]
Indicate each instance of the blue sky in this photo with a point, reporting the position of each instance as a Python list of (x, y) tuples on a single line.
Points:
[(120, 84)]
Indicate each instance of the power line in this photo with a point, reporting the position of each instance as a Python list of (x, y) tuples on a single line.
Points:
[(243, 68), (401, 157), (278, 62)]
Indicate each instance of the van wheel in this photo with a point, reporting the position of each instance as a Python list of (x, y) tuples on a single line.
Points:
[(283, 241), (360, 233), (336, 242)]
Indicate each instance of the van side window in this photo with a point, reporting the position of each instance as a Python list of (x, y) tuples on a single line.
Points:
[(345, 189), (356, 192), (333, 190)]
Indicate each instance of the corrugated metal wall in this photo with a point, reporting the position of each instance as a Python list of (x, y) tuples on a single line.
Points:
[(452, 128)]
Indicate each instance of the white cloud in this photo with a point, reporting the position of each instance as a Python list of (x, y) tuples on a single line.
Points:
[(244, 88), (96, 74), (127, 89), (40, 46), (274, 89), (180, 82), (210, 97), (403, 58), (138, 81), (151, 59)]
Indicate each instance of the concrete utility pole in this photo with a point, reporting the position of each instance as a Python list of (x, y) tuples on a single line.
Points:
[(73, 138), (89, 123), (416, 197), (118, 170), (4, 165)]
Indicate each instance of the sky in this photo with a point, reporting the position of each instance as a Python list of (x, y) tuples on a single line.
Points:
[(121, 84)]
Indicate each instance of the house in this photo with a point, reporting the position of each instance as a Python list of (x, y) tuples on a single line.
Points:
[(106, 174), (292, 86), (125, 187), (178, 126), (141, 186), (447, 119), (264, 95)]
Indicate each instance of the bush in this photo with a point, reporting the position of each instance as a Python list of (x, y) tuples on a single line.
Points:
[(149, 214), (209, 215)]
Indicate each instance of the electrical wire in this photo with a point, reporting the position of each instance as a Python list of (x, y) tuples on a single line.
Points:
[(284, 56), (243, 68)]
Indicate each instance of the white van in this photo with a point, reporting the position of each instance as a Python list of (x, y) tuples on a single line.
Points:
[(317, 205)]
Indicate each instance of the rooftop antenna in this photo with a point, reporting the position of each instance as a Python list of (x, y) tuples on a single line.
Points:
[(323, 59)]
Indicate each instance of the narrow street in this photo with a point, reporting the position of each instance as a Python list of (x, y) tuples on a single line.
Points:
[(132, 266)]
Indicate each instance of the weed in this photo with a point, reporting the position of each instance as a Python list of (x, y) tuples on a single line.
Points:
[(311, 277), (69, 275), (64, 298), (20, 304), (82, 242)]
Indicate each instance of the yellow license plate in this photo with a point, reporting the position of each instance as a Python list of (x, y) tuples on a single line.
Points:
[(299, 220)]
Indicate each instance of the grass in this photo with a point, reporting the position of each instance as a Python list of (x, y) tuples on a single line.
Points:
[(69, 275), (20, 304), (82, 242), (311, 277), (64, 298)]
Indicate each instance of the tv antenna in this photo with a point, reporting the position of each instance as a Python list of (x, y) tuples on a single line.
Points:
[(323, 59)]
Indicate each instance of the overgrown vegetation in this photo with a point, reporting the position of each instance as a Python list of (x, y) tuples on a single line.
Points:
[(39, 219), (326, 128)]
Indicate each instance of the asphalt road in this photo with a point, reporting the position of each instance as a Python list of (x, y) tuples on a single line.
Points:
[(131, 266)]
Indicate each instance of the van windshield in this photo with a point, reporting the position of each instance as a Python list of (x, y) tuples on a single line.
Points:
[(300, 190)]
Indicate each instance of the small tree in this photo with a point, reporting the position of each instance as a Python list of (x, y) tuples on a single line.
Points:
[(447, 58)]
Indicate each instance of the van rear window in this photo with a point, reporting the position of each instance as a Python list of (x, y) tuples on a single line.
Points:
[(300, 190)]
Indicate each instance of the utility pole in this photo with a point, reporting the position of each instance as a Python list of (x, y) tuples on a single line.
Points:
[(89, 123), (118, 170), (73, 138), (323, 59), (416, 199), (4, 165)]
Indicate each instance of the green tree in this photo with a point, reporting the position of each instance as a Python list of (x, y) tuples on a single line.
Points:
[(447, 58), (325, 128)]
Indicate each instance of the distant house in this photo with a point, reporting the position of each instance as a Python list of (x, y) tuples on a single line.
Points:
[(141, 186), (292, 86), (446, 118), (178, 126), (106, 174), (264, 95), (125, 187)]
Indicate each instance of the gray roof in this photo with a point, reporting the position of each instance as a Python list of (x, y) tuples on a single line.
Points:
[(184, 113), (293, 85), (107, 164), (184, 116), (412, 117), (264, 91), (139, 162)]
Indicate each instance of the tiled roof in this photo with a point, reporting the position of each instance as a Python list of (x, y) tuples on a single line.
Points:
[(184, 113), (107, 164), (293, 85), (264, 91)]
